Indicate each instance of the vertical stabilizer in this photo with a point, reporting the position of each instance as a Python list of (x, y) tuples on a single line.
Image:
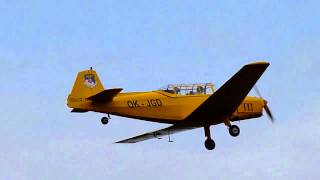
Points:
[(87, 84)]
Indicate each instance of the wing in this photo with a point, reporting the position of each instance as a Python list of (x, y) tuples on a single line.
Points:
[(229, 96), (157, 134)]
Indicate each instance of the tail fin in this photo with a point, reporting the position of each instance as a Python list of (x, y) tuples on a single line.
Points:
[(87, 84)]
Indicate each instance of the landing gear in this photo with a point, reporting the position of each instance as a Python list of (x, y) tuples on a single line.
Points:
[(104, 120), (234, 130), (209, 143)]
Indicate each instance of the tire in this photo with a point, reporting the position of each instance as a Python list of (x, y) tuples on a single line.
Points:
[(104, 120), (234, 131), (209, 144)]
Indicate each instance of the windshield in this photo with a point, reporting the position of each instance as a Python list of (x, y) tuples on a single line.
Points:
[(189, 89)]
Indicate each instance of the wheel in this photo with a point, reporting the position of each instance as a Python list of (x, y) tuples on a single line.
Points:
[(104, 120), (234, 130), (209, 144)]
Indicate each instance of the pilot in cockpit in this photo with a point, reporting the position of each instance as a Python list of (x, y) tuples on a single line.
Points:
[(200, 90), (191, 92), (176, 90)]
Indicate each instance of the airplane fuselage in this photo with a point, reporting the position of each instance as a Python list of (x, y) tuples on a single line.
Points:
[(163, 107)]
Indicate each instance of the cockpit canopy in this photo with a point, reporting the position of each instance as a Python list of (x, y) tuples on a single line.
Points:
[(189, 89)]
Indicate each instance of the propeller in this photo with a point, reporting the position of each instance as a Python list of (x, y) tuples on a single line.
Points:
[(266, 108)]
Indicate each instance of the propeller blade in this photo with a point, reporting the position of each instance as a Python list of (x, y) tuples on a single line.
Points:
[(266, 108), (268, 111), (256, 89)]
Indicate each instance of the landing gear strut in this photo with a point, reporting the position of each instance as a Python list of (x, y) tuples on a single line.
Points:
[(208, 143)]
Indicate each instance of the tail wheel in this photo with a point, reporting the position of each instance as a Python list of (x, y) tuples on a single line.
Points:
[(209, 144), (234, 130), (104, 120)]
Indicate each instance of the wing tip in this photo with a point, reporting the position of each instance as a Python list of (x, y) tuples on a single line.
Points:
[(123, 142), (259, 63)]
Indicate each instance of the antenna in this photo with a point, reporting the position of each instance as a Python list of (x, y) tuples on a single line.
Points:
[(169, 136)]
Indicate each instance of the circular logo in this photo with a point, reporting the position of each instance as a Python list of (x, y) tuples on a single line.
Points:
[(89, 81)]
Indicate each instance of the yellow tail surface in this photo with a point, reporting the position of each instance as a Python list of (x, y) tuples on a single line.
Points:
[(87, 84)]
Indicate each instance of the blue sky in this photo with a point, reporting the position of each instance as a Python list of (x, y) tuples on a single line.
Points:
[(143, 45)]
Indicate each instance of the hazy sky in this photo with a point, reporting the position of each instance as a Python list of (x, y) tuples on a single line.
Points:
[(143, 45)]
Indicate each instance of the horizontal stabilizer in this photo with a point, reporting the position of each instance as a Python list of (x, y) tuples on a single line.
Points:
[(75, 110), (105, 95)]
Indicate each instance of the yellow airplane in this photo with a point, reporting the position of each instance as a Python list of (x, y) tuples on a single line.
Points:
[(184, 106)]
